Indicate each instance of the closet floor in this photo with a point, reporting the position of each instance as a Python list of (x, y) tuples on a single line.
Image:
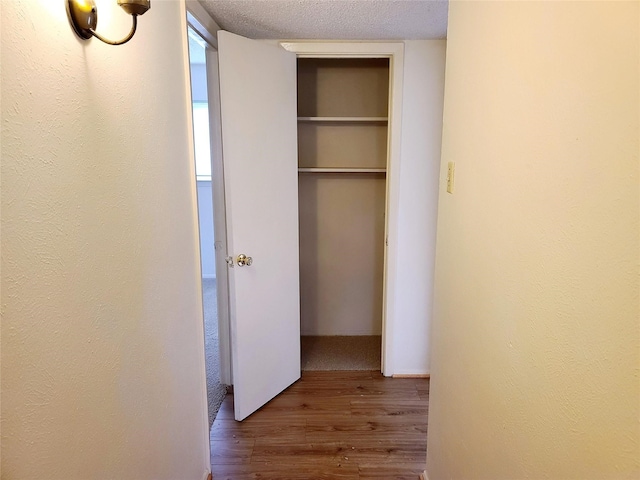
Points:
[(341, 353)]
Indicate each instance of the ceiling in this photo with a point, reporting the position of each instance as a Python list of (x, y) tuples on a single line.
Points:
[(332, 19)]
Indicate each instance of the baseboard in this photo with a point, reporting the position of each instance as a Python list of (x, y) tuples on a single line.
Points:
[(423, 476), (411, 375)]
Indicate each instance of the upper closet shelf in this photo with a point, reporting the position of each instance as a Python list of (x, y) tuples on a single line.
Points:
[(344, 119), (341, 170)]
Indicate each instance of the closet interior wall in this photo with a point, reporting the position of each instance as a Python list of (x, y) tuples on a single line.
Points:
[(342, 141)]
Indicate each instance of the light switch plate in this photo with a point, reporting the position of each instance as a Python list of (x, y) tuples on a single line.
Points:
[(451, 171)]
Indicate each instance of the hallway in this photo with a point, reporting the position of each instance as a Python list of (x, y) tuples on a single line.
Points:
[(328, 425)]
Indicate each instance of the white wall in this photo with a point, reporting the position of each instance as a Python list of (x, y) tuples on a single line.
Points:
[(424, 62), (205, 213), (536, 341), (199, 82), (102, 343)]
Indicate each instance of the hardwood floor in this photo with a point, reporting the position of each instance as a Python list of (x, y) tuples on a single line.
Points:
[(328, 425)]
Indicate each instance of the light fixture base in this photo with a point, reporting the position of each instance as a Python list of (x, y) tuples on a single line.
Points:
[(83, 16), (135, 7)]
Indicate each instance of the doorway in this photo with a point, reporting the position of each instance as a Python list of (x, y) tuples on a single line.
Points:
[(260, 137), (342, 162), (216, 388)]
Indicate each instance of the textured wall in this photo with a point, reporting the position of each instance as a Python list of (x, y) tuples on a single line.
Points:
[(536, 324), (102, 348)]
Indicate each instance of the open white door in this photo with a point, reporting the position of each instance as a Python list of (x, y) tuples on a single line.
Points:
[(259, 142)]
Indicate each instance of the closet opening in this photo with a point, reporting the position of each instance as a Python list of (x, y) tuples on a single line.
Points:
[(343, 110)]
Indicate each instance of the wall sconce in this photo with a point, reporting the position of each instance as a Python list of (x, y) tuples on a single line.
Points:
[(83, 16)]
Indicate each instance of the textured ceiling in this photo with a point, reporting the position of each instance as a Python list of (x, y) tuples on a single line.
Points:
[(332, 19)]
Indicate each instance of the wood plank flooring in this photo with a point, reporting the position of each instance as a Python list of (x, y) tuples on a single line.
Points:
[(329, 425)]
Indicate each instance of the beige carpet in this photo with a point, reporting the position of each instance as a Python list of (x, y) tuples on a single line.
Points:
[(341, 353), (215, 390)]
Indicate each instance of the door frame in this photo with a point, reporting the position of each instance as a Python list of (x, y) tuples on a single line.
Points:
[(219, 217), (219, 210), (394, 51), (200, 21)]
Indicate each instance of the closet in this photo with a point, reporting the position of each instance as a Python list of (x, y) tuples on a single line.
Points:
[(311, 135), (343, 106)]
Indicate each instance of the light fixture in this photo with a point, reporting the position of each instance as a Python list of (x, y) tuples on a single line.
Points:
[(83, 16)]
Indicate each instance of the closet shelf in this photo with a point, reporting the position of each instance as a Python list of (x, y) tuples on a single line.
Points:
[(342, 170), (345, 119)]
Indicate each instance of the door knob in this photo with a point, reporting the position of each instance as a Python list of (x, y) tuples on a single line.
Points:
[(243, 260)]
